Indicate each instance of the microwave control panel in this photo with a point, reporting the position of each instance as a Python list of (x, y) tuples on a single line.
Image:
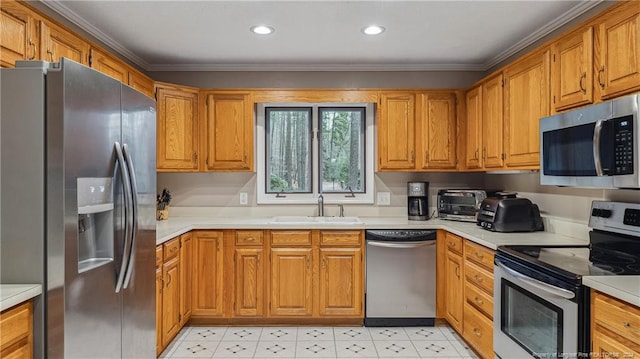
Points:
[(623, 145)]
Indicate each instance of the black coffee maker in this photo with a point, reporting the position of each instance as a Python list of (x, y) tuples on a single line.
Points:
[(418, 200)]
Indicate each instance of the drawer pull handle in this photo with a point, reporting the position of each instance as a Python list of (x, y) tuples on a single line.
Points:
[(478, 300), (250, 239), (479, 255), (174, 249), (628, 326), (477, 278), (477, 332)]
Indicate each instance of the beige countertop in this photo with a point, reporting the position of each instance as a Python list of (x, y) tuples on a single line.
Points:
[(13, 294), (623, 287)]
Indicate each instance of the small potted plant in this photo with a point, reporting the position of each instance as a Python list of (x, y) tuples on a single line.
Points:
[(162, 205)]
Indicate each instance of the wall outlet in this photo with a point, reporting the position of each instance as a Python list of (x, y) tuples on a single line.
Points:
[(244, 198), (384, 198)]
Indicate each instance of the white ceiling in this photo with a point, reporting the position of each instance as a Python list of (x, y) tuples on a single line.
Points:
[(318, 35)]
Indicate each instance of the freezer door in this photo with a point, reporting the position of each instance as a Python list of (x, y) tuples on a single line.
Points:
[(139, 143), (84, 214)]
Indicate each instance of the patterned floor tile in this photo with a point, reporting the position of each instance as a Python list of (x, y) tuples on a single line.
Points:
[(206, 333), (395, 349), (424, 333), (463, 349), (194, 349), (276, 349), (236, 349), (390, 333), (351, 333), (279, 333), (316, 349), (436, 349), (315, 333), (251, 334), (356, 349)]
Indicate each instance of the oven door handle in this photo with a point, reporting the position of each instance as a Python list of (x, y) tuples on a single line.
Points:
[(560, 292), (401, 245)]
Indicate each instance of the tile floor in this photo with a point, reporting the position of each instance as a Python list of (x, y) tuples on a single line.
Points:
[(317, 342)]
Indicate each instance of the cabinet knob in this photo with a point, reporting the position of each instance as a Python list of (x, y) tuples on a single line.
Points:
[(477, 278), (479, 255), (478, 300)]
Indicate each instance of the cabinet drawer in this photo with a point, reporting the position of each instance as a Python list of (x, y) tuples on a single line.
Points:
[(453, 242), (15, 324), (287, 238), (171, 248), (248, 238), (617, 316), (158, 256), (479, 299), (340, 238), (478, 277), (478, 254), (478, 331)]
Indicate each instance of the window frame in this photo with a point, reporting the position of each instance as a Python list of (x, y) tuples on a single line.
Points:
[(366, 197)]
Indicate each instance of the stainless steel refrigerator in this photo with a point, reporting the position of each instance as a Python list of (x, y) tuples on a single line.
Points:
[(78, 186)]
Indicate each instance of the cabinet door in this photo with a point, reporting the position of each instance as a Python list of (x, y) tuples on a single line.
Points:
[(605, 346), (141, 83), (249, 282), (208, 274), (493, 123), (108, 65), (527, 100), (170, 300), (57, 43), (159, 287), (396, 131), (341, 281), (473, 128), (186, 277), (229, 132), (619, 70), (454, 290), (439, 132), (177, 130), (572, 70), (291, 282), (19, 38)]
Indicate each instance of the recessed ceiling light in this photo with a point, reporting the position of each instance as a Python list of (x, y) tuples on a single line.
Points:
[(373, 30), (262, 29)]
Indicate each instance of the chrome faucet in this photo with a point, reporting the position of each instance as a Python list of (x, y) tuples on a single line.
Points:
[(320, 205)]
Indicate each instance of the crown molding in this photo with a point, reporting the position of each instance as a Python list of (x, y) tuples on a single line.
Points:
[(316, 67)]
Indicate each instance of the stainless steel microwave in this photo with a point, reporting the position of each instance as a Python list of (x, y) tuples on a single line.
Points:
[(594, 146)]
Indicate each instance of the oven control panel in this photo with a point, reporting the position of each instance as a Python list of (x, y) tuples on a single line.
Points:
[(619, 217)]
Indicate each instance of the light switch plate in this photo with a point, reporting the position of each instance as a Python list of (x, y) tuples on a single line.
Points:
[(244, 199), (384, 198)]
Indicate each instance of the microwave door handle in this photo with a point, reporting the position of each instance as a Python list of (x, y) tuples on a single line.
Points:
[(596, 147), (551, 289)]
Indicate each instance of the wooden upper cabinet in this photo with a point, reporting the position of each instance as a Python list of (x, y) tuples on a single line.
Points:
[(19, 38), (141, 83), (208, 273), (177, 130), (527, 100), (341, 282), (396, 131), (438, 131), (228, 129), (493, 122), (619, 56), (57, 42), (108, 65), (473, 130), (572, 70)]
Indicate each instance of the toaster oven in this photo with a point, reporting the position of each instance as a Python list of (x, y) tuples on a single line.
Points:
[(460, 204)]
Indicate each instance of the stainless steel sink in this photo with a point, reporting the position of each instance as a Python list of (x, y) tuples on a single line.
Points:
[(312, 220)]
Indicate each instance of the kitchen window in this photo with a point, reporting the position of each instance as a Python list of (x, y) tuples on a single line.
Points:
[(305, 149)]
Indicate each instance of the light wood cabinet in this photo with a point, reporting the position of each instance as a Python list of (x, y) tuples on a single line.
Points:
[(526, 94), (108, 65), (618, 70), (186, 277), (493, 141), (177, 129), (438, 131), (16, 331), (171, 291), (141, 83), (228, 127), (19, 38), (159, 287), (340, 284), (572, 70), (57, 43), (291, 282), (208, 288), (615, 327), (396, 131), (454, 287), (473, 128), (249, 282)]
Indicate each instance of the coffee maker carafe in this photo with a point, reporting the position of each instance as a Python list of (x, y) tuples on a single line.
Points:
[(418, 200)]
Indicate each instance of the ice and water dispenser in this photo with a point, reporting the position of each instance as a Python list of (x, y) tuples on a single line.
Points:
[(95, 223)]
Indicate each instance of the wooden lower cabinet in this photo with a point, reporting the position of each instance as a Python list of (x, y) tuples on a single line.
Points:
[(186, 277), (249, 282), (208, 285), (159, 285), (340, 284), (291, 282), (615, 327), (454, 285), (478, 331), (170, 297), (16, 331)]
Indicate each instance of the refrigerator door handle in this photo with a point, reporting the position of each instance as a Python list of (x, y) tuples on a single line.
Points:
[(124, 173), (134, 211)]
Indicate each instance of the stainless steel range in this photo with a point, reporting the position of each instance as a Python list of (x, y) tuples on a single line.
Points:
[(541, 307)]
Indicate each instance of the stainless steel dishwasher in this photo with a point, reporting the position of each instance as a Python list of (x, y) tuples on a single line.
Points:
[(400, 278)]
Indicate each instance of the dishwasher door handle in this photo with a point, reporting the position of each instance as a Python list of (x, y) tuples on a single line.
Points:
[(401, 245)]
